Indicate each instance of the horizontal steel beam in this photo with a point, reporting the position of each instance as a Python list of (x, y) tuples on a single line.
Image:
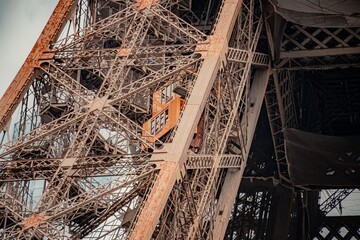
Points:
[(199, 161), (240, 55), (320, 52)]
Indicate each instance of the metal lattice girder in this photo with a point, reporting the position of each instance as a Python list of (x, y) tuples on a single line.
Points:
[(75, 88), (37, 136), (157, 199), (318, 48), (335, 199), (250, 216), (200, 184), (240, 55), (233, 178), (102, 176), (92, 109), (113, 194), (281, 113), (206, 161), (91, 166)]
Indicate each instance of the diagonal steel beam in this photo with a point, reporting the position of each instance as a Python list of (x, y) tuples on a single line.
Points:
[(169, 171)]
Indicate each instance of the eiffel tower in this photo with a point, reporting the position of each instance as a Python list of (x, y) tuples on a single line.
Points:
[(181, 119)]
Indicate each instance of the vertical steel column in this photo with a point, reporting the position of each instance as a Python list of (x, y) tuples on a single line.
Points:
[(233, 177)]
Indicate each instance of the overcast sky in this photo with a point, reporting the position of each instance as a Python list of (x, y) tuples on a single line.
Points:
[(21, 22)]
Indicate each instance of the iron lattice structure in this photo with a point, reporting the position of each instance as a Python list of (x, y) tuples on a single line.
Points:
[(100, 152), (81, 164)]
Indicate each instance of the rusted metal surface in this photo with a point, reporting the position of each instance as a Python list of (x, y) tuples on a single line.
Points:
[(100, 101), (95, 153)]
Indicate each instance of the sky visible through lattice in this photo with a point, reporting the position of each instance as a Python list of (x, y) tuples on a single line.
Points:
[(21, 23)]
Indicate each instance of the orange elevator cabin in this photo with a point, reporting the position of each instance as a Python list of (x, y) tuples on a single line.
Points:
[(166, 108)]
